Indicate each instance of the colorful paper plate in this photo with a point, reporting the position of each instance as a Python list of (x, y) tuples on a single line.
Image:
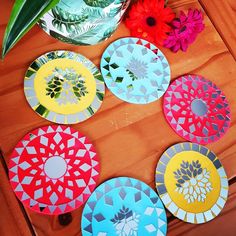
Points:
[(124, 206), (196, 109), (83, 22), (135, 70), (53, 169), (64, 87), (191, 182)]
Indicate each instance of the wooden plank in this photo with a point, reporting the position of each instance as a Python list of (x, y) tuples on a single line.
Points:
[(129, 138), (223, 15), (13, 220)]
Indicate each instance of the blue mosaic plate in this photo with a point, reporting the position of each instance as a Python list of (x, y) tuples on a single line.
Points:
[(135, 70), (124, 207)]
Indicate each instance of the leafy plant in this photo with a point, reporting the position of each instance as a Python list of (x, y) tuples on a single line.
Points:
[(98, 3), (67, 20), (24, 16)]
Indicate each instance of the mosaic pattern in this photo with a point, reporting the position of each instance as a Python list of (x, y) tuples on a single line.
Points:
[(125, 207), (135, 70), (64, 87), (191, 182), (197, 109), (84, 22), (53, 169)]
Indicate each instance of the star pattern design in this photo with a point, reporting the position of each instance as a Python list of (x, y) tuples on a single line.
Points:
[(117, 194), (178, 110), (29, 177)]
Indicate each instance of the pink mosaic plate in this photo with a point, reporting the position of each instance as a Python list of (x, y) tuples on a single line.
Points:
[(197, 109), (53, 169)]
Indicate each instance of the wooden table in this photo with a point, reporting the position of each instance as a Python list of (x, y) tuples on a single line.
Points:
[(129, 138)]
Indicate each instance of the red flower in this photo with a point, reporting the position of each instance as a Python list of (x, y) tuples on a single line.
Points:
[(148, 19)]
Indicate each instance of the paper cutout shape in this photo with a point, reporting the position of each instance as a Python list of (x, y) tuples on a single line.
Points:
[(197, 109), (64, 87), (83, 22), (191, 182), (53, 169), (135, 70), (124, 206)]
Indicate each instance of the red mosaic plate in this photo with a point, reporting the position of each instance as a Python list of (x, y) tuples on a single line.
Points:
[(197, 109), (53, 169)]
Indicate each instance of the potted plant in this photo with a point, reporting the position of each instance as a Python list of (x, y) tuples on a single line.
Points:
[(80, 22)]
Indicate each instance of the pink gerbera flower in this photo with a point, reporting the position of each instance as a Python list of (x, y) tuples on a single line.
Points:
[(185, 30)]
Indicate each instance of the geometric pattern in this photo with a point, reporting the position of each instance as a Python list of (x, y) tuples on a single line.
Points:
[(135, 70), (170, 201), (124, 206), (48, 113), (196, 109), (53, 169)]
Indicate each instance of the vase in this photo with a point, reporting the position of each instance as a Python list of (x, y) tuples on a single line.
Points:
[(84, 22)]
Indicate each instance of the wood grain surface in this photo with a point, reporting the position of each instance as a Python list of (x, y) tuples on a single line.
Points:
[(223, 15), (129, 138)]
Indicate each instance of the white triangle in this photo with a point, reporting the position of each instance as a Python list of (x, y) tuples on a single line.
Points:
[(18, 188), (41, 132), (47, 179), (50, 129), (94, 163), (15, 179), (94, 173), (44, 159), (161, 223), (76, 135), (25, 196), (88, 146), (91, 182), (24, 142), (82, 140), (32, 202), (16, 159), (159, 211), (59, 129), (19, 150), (54, 181), (14, 169), (92, 154), (67, 130), (62, 179)]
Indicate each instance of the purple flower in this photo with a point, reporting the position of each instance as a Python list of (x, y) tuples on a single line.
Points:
[(185, 30)]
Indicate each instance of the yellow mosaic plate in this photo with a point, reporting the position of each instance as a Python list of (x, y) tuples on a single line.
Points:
[(64, 87), (191, 182)]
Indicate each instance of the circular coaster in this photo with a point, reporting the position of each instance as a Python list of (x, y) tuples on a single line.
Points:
[(191, 182), (64, 87), (135, 70), (196, 109), (124, 206), (83, 22), (53, 169)]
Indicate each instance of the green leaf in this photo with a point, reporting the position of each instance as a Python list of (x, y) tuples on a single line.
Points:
[(24, 16)]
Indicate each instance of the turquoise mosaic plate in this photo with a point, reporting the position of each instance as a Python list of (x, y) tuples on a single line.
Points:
[(124, 206), (135, 70)]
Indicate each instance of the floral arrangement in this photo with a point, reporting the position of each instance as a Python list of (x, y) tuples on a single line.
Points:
[(151, 20)]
